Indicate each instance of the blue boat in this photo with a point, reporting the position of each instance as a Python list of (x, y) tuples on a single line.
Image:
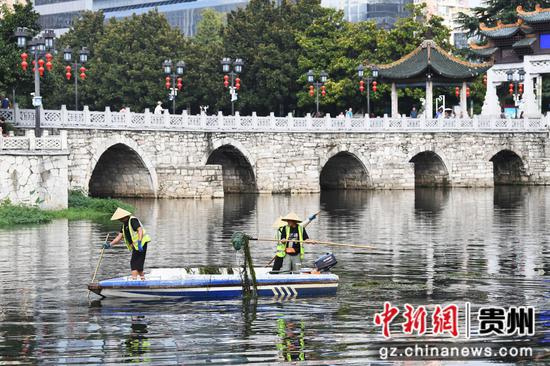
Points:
[(216, 283)]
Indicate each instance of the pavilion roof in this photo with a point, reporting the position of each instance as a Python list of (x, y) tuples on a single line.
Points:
[(525, 42), (501, 30), (539, 15), (430, 57)]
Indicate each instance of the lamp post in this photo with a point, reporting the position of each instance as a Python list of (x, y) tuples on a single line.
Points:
[(78, 65), (323, 76), (235, 84), (370, 78), (173, 77), (516, 86), (38, 47)]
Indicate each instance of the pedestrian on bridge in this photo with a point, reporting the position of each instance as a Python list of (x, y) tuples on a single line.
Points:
[(135, 237)]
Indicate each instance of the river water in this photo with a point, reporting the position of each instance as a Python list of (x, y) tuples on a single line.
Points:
[(433, 247)]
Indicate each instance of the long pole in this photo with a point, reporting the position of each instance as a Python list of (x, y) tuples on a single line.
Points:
[(76, 86), (37, 130), (368, 95), (173, 93), (233, 91), (317, 97)]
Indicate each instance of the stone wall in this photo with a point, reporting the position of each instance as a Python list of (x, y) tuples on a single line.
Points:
[(293, 162), (34, 178), (191, 182)]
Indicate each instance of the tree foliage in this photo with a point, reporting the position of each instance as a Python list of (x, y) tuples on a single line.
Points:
[(278, 41), (11, 74)]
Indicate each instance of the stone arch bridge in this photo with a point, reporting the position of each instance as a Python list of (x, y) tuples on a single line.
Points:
[(120, 163)]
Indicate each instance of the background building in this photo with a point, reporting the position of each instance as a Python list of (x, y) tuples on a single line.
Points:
[(11, 2), (381, 11), (183, 14), (448, 10)]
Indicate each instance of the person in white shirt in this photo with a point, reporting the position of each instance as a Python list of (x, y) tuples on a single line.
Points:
[(158, 108)]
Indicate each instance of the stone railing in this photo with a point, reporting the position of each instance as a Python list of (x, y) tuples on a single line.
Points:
[(86, 119), (31, 142)]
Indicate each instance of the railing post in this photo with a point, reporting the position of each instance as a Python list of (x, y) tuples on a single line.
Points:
[(272, 122), (492, 123), (64, 115), (184, 118), (309, 121), (1, 140), (166, 117), (255, 121), (128, 118), (203, 119), (237, 120), (107, 117), (475, 122), (32, 139), (16, 114), (220, 119), (386, 122), (290, 119), (64, 143), (86, 112)]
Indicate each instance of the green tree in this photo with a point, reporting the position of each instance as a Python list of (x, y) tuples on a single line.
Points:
[(202, 83), (11, 75), (494, 10), (126, 67), (86, 31)]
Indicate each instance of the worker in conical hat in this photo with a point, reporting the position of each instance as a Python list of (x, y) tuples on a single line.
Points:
[(135, 237), (293, 250)]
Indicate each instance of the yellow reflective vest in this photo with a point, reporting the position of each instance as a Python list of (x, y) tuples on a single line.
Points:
[(281, 246), (133, 240)]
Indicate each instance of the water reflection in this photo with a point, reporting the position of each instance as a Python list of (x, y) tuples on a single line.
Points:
[(138, 345), (432, 246)]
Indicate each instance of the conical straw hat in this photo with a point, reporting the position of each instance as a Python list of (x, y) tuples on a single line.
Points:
[(291, 217), (278, 223), (120, 213)]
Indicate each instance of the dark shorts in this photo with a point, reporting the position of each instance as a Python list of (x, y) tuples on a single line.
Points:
[(138, 259)]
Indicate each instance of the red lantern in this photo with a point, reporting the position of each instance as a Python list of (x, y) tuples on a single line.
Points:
[(82, 69), (323, 91), (41, 70), (83, 75), (40, 62), (24, 63), (49, 66), (468, 92), (167, 83), (485, 79), (311, 90), (68, 72), (511, 88), (520, 87), (457, 91), (180, 83), (225, 81), (49, 56), (238, 86), (237, 80), (361, 86), (374, 86)]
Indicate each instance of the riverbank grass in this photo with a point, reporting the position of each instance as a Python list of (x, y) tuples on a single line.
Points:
[(81, 207)]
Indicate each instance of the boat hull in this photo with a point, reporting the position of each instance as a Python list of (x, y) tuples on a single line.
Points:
[(216, 286)]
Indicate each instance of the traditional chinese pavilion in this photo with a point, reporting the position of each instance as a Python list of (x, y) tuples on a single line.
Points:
[(521, 50), (430, 65)]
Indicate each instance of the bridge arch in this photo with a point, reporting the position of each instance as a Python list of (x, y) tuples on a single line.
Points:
[(508, 168), (237, 166), (430, 169), (343, 169), (119, 168)]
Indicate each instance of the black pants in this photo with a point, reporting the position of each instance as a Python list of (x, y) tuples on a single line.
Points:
[(138, 259), (278, 263)]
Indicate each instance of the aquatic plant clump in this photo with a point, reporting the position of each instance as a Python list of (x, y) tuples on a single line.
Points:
[(80, 207)]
